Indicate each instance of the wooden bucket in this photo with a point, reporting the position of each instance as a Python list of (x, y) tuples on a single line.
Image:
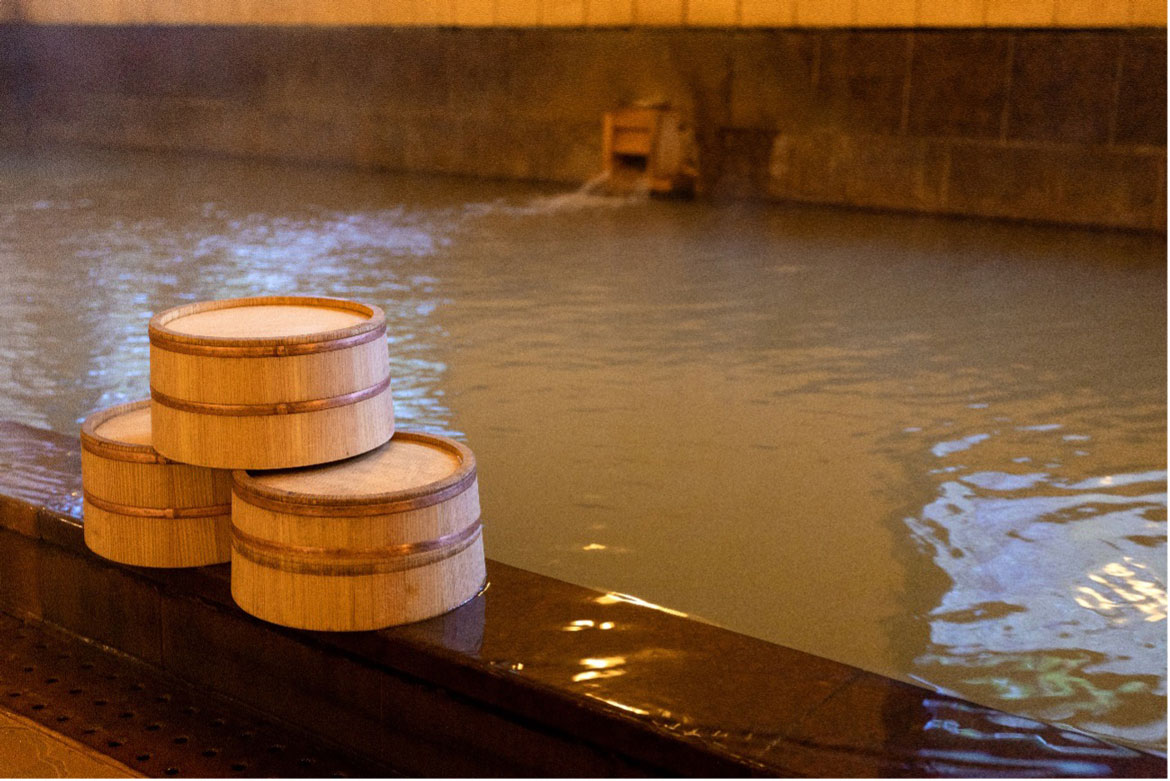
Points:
[(144, 509), (268, 383), (387, 538)]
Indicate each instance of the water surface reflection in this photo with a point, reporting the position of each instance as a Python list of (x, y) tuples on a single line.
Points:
[(934, 449)]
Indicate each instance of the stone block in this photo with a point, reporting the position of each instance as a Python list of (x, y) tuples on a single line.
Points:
[(441, 734), (398, 70), (1062, 86), (894, 729), (482, 64), (85, 59), (1100, 186), (574, 152), (432, 142), (303, 133), (278, 671), (105, 602), (62, 530), (862, 81), (958, 84), (18, 515), (896, 172), (20, 592), (885, 172), (382, 141), (773, 80), (221, 127), (493, 145), (813, 167), (569, 75), (742, 173), (1141, 96)]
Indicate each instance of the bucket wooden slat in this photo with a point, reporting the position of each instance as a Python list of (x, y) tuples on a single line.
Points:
[(386, 538), (268, 383), (143, 509)]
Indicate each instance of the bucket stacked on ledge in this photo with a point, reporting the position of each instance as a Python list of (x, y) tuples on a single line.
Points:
[(336, 522), (142, 508)]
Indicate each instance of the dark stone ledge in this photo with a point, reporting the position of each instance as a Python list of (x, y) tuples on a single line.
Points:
[(534, 677)]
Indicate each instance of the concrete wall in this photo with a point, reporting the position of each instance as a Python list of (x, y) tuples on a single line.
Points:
[(551, 13), (1056, 125)]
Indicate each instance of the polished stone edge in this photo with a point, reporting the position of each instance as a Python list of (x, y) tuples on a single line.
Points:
[(450, 696)]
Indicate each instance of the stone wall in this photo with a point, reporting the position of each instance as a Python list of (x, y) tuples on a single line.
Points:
[(1054, 125)]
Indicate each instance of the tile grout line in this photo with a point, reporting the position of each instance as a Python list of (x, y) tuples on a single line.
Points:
[(1005, 111)]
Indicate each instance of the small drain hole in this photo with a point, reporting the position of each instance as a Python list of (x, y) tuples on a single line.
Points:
[(100, 703), (126, 715), (153, 727), (62, 718), (211, 752), (114, 743), (142, 757), (182, 739), (39, 706), (170, 771), (75, 691), (52, 680), (238, 766)]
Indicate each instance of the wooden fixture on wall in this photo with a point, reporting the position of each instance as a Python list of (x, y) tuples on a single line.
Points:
[(648, 148)]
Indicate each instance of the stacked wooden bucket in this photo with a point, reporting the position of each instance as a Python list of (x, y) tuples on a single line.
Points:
[(331, 519)]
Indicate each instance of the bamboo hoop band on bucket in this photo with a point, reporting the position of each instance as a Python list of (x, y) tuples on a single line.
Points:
[(324, 505), (209, 511), (165, 338), (113, 449), (353, 561), (279, 408)]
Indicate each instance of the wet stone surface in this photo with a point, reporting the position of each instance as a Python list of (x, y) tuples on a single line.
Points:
[(147, 721), (559, 677)]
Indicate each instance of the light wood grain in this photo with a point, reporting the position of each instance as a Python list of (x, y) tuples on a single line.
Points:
[(266, 383), (266, 321), (132, 495), (385, 538)]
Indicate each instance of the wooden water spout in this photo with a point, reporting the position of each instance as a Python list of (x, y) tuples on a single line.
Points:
[(648, 149)]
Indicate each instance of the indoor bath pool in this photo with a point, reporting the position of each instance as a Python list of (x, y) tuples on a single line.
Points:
[(934, 449)]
